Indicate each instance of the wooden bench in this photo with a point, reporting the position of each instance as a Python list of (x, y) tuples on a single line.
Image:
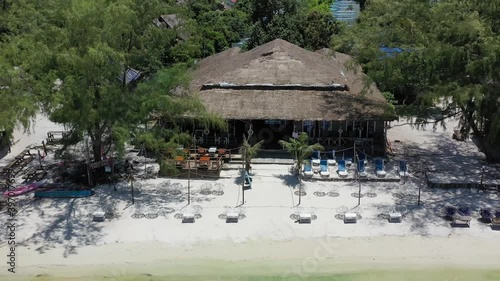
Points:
[(35, 173), (24, 158), (12, 169)]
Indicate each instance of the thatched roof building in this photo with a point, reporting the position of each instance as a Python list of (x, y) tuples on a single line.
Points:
[(279, 80)]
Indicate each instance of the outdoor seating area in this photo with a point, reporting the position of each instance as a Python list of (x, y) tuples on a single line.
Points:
[(9, 172), (326, 166), (201, 161)]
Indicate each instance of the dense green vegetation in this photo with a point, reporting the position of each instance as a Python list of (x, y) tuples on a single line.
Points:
[(68, 58), (450, 56)]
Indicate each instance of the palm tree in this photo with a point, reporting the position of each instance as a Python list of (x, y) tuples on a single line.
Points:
[(300, 149), (249, 151)]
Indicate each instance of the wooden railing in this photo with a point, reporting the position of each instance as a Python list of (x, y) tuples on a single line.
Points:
[(343, 141)]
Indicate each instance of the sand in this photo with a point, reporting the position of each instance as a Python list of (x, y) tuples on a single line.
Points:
[(57, 239)]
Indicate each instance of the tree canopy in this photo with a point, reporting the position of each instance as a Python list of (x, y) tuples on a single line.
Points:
[(308, 24), (430, 52), (99, 67)]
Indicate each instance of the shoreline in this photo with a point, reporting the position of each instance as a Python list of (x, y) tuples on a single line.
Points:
[(309, 257)]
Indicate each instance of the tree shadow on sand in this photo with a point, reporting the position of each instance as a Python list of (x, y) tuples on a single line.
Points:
[(67, 223), (289, 180)]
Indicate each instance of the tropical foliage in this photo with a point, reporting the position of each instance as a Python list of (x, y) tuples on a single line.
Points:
[(437, 53), (249, 151), (81, 62), (300, 149)]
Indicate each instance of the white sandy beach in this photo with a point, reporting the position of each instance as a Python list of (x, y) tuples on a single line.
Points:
[(57, 237)]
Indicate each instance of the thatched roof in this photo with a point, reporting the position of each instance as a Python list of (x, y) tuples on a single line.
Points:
[(279, 80)]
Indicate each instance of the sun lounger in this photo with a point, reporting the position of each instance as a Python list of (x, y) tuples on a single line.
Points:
[(395, 217), (308, 172), (348, 161), (305, 218), (464, 211), (486, 214), (459, 220), (315, 160), (403, 168), (361, 169), (324, 172), (331, 158), (450, 211), (362, 157), (316, 156), (495, 223), (342, 169), (379, 168), (350, 218), (232, 217)]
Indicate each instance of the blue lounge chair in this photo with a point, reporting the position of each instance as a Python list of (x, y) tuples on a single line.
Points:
[(362, 157), (450, 211), (464, 211), (342, 169), (324, 172), (403, 168), (308, 172), (361, 169), (331, 158), (486, 214), (379, 168), (248, 181), (315, 160), (348, 161)]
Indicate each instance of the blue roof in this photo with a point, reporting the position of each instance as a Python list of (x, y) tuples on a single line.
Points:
[(392, 52)]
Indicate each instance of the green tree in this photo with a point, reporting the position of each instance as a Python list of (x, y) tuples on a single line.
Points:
[(450, 56), (300, 149), (308, 24), (92, 47), (318, 29), (249, 151)]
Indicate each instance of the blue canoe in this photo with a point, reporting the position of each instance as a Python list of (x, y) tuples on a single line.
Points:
[(64, 194)]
